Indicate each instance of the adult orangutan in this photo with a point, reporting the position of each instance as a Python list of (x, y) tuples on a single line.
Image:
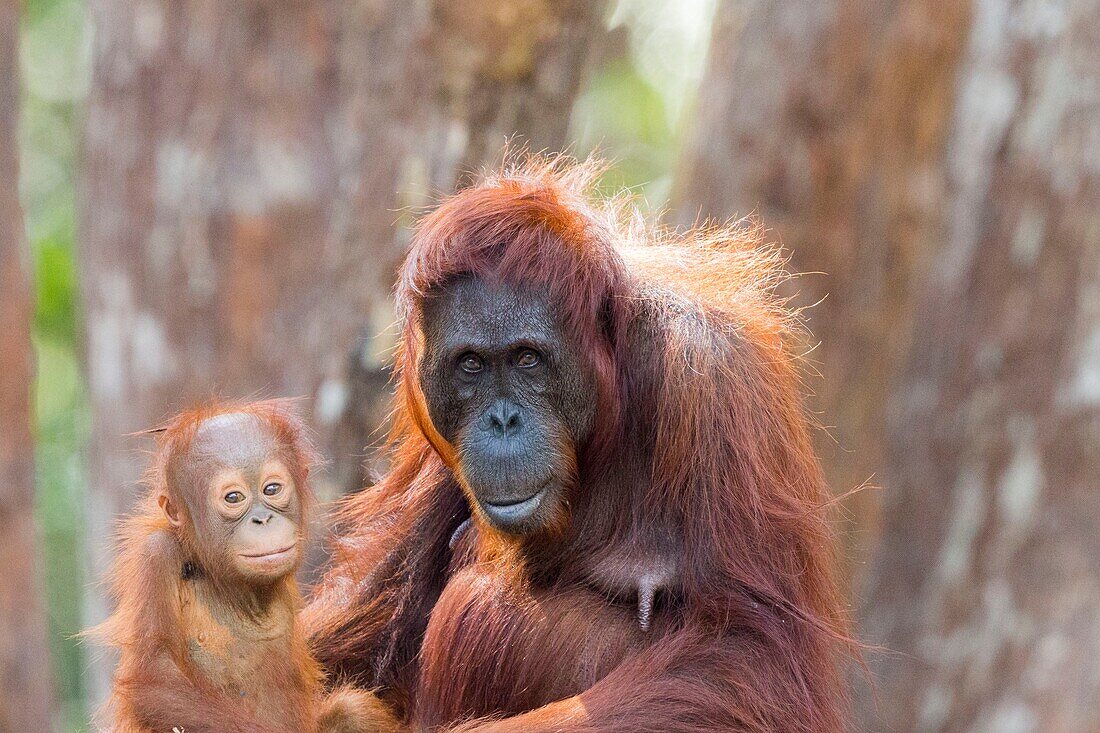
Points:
[(603, 512), (206, 620)]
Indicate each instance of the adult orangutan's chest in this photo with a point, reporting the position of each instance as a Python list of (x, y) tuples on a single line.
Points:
[(494, 648)]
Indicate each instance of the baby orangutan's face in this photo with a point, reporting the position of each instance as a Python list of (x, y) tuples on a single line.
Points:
[(240, 495)]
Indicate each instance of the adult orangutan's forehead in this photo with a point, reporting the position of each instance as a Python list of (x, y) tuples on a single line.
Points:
[(489, 311), (234, 439)]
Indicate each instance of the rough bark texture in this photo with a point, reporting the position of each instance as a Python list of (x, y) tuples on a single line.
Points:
[(826, 119), (245, 163), (26, 694), (988, 578), (509, 70)]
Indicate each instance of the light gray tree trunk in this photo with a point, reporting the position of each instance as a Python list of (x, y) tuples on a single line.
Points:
[(26, 690), (248, 169), (987, 580)]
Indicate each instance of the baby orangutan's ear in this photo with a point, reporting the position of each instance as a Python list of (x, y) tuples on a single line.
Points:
[(171, 513)]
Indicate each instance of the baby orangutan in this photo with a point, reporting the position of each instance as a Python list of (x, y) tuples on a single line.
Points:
[(206, 620)]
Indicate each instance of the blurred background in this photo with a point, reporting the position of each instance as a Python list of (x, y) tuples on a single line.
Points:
[(211, 196)]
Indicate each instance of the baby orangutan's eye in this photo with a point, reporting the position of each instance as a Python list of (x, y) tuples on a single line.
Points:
[(234, 497), (272, 488)]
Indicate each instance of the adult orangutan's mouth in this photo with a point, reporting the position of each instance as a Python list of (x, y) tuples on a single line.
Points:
[(509, 513)]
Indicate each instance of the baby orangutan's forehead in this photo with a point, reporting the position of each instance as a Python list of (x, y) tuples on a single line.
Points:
[(235, 439)]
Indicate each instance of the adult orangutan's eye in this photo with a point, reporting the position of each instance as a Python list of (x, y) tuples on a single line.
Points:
[(234, 497), (527, 359), (470, 363)]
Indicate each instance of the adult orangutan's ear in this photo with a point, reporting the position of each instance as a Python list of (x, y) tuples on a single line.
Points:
[(171, 512)]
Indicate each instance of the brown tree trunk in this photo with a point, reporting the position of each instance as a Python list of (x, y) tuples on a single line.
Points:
[(509, 71), (243, 165), (826, 119), (26, 693), (988, 577)]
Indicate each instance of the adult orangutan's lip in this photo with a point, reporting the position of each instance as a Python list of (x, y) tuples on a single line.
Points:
[(511, 512), (274, 553)]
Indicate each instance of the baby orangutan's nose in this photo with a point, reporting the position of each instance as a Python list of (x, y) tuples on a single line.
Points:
[(261, 518)]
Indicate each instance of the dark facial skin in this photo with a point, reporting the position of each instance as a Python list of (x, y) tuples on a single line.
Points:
[(507, 387), (241, 498)]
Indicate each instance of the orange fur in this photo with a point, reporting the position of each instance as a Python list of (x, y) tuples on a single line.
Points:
[(700, 470), (162, 620)]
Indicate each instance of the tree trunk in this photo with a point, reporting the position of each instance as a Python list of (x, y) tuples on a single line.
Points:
[(827, 119), (988, 577), (26, 694), (509, 70), (243, 165)]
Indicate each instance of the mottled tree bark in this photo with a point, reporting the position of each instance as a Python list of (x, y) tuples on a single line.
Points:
[(246, 169), (827, 119), (509, 70), (988, 577), (26, 693)]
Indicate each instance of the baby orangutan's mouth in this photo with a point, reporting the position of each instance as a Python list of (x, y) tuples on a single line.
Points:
[(269, 555)]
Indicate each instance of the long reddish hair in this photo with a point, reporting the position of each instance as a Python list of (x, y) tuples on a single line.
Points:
[(714, 382)]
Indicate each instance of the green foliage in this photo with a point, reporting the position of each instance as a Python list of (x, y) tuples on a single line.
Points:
[(634, 103), (54, 70), (624, 116), (62, 429), (55, 276)]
